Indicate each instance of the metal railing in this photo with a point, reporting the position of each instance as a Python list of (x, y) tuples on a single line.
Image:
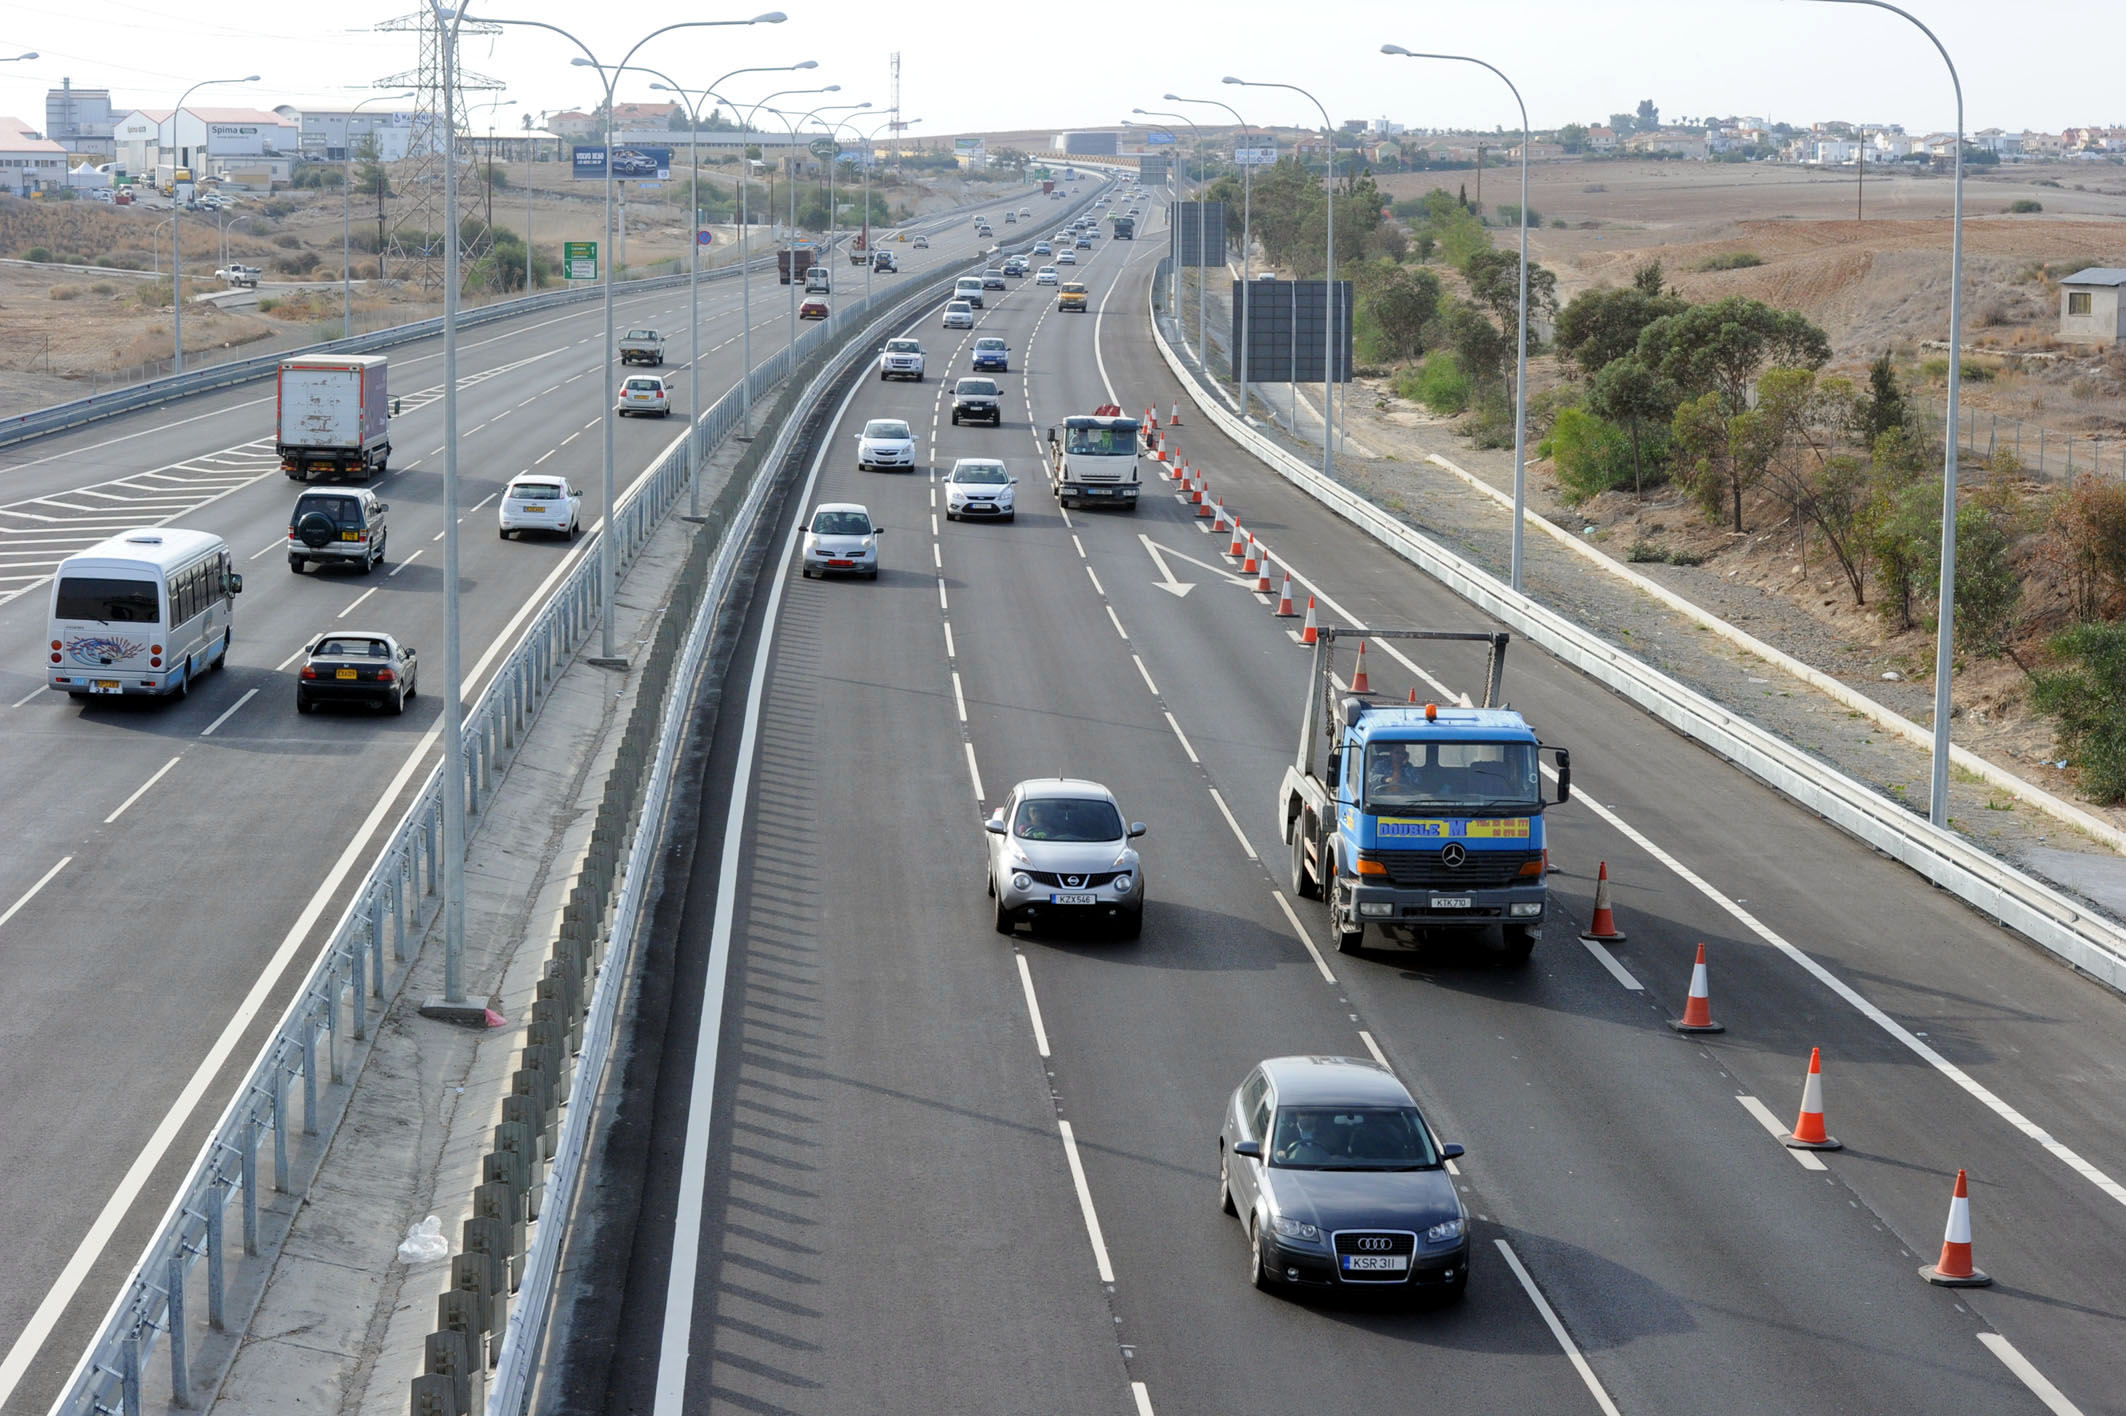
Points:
[(180, 1292)]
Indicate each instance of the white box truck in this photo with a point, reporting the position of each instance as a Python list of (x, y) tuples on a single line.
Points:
[(334, 416)]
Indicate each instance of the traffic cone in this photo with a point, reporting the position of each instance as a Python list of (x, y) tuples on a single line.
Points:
[(1413, 698), (1198, 488), (1218, 518), (1953, 1269), (1205, 509), (1250, 563), (1604, 928), (1237, 548), (1151, 416), (1808, 1131), (1284, 599), (1359, 682), (1309, 632), (1174, 418), (1698, 1008), (1262, 578)]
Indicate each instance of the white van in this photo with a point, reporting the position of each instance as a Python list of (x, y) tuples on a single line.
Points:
[(968, 288), (145, 612)]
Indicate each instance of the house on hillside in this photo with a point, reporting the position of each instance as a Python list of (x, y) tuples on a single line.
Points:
[(1682, 144), (2091, 310), (1601, 139)]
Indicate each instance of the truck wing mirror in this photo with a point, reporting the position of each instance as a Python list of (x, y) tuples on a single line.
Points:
[(394, 407), (1564, 775)]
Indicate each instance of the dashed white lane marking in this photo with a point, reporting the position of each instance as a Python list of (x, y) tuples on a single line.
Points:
[(2055, 1401), (1142, 1397), (1616, 970), (1185, 745), (1374, 1048), (1147, 675), (283, 664), (1033, 1005), (1557, 1330), (1116, 622), (976, 773), (1079, 544), (208, 730), (28, 697), (1773, 1124), (357, 600), (936, 557), (933, 523), (959, 699), (941, 592), (1085, 1201), (546, 454), (950, 652), (406, 562), (143, 789), (269, 547), (1096, 580), (1227, 813), (1304, 938), (30, 894)]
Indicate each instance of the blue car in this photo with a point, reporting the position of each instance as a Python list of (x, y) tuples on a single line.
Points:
[(991, 355)]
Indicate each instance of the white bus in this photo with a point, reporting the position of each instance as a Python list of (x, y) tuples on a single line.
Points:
[(145, 612)]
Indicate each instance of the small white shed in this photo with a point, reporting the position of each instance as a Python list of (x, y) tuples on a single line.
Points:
[(2091, 310)]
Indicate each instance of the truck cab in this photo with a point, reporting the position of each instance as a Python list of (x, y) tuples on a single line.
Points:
[(1092, 459), (1417, 819)]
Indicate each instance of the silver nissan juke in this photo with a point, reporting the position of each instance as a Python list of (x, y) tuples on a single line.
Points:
[(1059, 851)]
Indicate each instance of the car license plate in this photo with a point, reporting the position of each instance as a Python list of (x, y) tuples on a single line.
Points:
[(344, 674), (108, 686), (1450, 902), (350, 535), (843, 564), (1096, 491), (533, 510), (1074, 899), (1376, 1263)]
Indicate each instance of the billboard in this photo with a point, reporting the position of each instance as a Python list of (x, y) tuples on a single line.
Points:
[(1256, 154), (1287, 329), (1197, 235), (1154, 138), (654, 163)]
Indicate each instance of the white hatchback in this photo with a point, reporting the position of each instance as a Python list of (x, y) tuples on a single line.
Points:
[(959, 315), (645, 394), (547, 504), (886, 444), (979, 488), (841, 539)]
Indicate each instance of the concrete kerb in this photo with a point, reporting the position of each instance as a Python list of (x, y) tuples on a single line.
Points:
[(2091, 943)]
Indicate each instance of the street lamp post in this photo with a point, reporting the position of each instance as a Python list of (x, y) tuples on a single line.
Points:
[(347, 216), (1178, 180), (1328, 368), (1945, 630), (1203, 347), (793, 126), (1520, 363), (870, 140), (1247, 245), (177, 269)]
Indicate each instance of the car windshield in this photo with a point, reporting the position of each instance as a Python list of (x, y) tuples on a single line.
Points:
[(1462, 775), (902, 346), (344, 646), (642, 334), (108, 600), (1350, 1138), (986, 473), (1101, 442), (989, 343), (1067, 819), (976, 386), (885, 429), (536, 491), (841, 523), (959, 307)]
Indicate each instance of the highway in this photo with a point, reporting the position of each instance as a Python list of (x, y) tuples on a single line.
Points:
[(879, 1159), (178, 862)]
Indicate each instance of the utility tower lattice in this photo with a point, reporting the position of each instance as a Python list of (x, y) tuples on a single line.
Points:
[(896, 124), (414, 250)]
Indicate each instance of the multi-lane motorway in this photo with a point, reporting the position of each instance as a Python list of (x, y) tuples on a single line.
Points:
[(170, 865), (877, 1158)]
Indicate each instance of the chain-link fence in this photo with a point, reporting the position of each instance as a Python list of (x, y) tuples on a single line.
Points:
[(2045, 454)]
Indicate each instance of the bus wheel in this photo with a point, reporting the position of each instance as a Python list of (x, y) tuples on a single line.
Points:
[(228, 637)]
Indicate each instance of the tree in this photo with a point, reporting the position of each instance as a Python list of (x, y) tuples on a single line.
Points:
[(1402, 305), (1623, 125), (1989, 590), (2088, 697), (1902, 524), (1826, 489), (1649, 117), (1573, 137), (1648, 279), (1631, 395), (1883, 407), (1721, 455), (1720, 348), (1495, 282), (1602, 326), (1475, 340)]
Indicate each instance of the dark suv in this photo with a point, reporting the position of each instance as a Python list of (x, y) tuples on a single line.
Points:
[(344, 525)]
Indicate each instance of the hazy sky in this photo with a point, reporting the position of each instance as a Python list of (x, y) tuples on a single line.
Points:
[(2044, 64)]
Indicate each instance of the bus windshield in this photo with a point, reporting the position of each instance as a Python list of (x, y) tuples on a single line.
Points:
[(1101, 442), (108, 601)]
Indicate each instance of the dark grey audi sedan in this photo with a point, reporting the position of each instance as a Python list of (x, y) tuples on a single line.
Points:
[(1339, 1181)]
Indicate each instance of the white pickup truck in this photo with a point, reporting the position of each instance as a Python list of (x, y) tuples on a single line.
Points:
[(642, 346), (241, 276)]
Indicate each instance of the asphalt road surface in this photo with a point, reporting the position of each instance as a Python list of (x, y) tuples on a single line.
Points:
[(884, 1160), (174, 865)]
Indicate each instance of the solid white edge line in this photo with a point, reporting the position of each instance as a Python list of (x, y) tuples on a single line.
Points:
[(1238, 834), (674, 1347), (31, 893), (1301, 930), (1033, 1005), (1142, 1397), (1771, 1123), (2055, 1400), (208, 730), (142, 791), (1085, 1201), (1557, 1329), (1185, 745), (1617, 971), (975, 773), (1147, 675)]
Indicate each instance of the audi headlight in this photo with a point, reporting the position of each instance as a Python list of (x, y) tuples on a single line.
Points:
[(1295, 1228), (1022, 881), (1123, 884), (1442, 1233)]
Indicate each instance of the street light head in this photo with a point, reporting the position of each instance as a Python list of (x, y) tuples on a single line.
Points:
[(582, 63), (831, 88), (806, 64), (249, 79), (1229, 79), (1172, 98), (1396, 49), (772, 17), (1136, 110), (664, 88)]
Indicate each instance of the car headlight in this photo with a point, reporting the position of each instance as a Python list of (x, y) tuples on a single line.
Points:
[(1022, 881), (1442, 1233), (1294, 1228), (1123, 884)]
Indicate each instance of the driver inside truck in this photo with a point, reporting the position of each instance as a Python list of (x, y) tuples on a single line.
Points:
[(1389, 770)]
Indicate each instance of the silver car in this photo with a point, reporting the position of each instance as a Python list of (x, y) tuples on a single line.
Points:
[(1058, 852), (841, 539)]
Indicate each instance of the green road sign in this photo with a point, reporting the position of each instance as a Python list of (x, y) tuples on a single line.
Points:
[(579, 260), (825, 149)]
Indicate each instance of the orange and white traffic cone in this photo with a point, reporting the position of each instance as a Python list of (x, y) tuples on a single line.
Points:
[(1309, 632), (1174, 418), (1262, 573), (1198, 488), (1698, 1008), (1604, 928), (1151, 417), (1359, 682), (1413, 698), (1239, 547), (1954, 1269), (1205, 508), (1218, 516), (1808, 1133), (1284, 599)]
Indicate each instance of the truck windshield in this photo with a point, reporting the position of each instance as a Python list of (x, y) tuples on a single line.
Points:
[(1101, 442), (1463, 776)]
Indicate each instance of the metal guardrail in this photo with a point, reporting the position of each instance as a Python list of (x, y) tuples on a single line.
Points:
[(2029, 906), (316, 1048), (59, 417)]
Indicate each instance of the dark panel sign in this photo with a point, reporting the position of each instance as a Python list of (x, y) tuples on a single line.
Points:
[(1287, 327)]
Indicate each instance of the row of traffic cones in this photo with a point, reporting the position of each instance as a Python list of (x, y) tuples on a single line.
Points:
[(1954, 1269)]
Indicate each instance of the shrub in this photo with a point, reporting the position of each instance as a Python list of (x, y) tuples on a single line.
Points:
[(1439, 383), (40, 254), (1730, 260), (288, 241), (1509, 214), (65, 292), (2088, 697), (103, 287), (267, 304), (1592, 454), (2024, 206), (1490, 422)]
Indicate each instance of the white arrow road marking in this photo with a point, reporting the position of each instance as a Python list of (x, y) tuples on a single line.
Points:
[(1178, 588)]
